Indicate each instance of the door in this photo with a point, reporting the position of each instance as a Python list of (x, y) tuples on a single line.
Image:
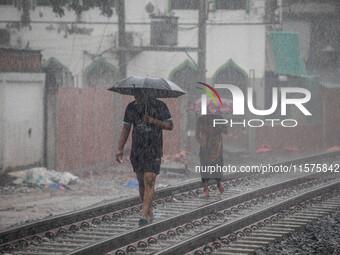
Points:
[(22, 120)]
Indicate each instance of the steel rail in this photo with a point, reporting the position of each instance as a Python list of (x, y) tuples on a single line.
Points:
[(227, 228), (39, 226), (113, 243)]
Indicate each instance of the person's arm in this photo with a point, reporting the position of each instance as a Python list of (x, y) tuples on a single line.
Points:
[(167, 125), (198, 132), (122, 141), (164, 121)]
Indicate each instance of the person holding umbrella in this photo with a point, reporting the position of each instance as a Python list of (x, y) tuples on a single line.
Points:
[(149, 117), (211, 149), (210, 139)]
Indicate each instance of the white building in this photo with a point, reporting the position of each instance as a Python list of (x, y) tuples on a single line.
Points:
[(81, 50), (235, 33)]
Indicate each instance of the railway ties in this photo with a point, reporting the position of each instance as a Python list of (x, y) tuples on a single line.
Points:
[(111, 224), (248, 243), (184, 216), (178, 239), (97, 231)]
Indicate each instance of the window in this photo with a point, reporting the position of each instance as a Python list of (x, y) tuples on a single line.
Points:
[(164, 31), (184, 4), (88, 3), (6, 2), (4, 37), (96, 3), (230, 4), (43, 2), (48, 2)]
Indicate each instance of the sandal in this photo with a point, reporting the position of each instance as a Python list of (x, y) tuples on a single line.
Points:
[(205, 194), (221, 188), (144, 221)]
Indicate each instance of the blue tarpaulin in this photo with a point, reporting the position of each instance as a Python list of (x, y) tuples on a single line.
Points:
[(131, 184)]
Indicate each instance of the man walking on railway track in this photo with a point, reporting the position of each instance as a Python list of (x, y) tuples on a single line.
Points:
[(149, 117)]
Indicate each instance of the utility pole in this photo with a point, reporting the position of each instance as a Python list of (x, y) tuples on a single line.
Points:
[(202, 38), (120, 8), (25, 17), (118, 99)]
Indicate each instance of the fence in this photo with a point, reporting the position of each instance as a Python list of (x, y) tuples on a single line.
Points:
[(86, 135)]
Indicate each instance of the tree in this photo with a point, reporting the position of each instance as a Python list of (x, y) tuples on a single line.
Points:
[(82, 5)]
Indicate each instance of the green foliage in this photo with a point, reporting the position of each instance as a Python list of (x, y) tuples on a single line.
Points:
[(78, 6)]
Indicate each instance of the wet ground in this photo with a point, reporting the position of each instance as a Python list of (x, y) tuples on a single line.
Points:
[(24, 203)]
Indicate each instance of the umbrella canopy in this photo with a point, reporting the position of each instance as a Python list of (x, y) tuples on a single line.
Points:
[(213, 108), (157, 87)]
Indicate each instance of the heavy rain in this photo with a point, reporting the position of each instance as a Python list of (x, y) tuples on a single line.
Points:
[(123, 106)]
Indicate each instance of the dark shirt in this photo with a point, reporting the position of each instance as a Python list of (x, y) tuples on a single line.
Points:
[(147, 139)]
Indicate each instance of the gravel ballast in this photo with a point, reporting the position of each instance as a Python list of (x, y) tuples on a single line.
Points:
[(319, 237)]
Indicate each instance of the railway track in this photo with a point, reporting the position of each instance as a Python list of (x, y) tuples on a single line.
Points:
[(240, 218), (276, 226), (110, 227)]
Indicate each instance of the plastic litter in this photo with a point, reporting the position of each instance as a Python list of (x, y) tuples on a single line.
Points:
[(42, 176), (58, 186), (264, 148), (133, 184), (334, 148)]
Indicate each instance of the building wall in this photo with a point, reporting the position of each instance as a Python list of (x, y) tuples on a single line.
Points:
[(21, 119), (230, 35), (303, 139), (2, 124), (237, 35), (85, 128), (317, 136), (51, 123), (331, 116), (87, 137)]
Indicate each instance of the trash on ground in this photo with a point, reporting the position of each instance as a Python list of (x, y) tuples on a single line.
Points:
[(264, 148), (42, 176), (161, 185), (58, 186), (334, 148), (133, 184)]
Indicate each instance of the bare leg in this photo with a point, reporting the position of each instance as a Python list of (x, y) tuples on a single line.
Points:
[(149, 182), (219, 185), (205, 185), (205, 188), (140, 178)]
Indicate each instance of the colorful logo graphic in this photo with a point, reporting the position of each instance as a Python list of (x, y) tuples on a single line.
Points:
[(209, 93)]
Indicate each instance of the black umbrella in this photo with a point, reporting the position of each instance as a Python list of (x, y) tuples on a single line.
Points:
[(157, 87)]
